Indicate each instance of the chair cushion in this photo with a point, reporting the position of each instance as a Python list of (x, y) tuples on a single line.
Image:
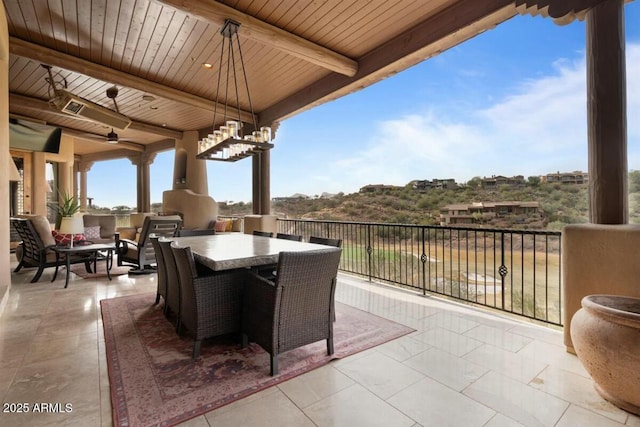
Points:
[(92, 233), (43, 228), (221, 226), (65, 239)]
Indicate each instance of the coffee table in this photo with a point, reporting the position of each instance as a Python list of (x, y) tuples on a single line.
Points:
[(91, 251)]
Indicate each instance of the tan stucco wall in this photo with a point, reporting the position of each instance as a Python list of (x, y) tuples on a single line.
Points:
[(598, 259), (5, 272), (190, 194)]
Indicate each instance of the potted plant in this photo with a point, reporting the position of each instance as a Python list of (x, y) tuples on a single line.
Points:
[(67, 206)]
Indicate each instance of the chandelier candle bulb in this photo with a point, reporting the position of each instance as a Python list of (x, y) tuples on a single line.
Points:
[(233, 128), (225, 132), (266, 133), (217, 136), (257, 136)]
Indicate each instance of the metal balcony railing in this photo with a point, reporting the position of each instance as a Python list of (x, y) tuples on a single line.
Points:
[(517, 271)]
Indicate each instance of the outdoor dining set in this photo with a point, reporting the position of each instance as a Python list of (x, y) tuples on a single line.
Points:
[(275, 291)]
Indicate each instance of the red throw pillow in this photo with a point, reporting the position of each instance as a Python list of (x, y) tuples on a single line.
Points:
[(65, 239)]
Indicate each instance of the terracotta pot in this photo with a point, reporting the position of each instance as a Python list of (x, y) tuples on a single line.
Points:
[(606, 337)]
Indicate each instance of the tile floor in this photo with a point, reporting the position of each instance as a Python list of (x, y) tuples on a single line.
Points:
[(461, 367)]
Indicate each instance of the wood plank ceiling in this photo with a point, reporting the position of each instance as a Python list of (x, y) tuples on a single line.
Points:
[(297, 54)]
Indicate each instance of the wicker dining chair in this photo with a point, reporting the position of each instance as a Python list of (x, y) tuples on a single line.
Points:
[(326, 241), (172, 301), (297, 308), (294, 237), (210, 301), (162, 272), (262, 233)]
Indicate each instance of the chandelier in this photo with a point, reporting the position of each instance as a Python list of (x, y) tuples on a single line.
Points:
[(229, 142)]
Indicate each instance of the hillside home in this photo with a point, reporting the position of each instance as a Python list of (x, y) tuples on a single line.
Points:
[(498, 180), (566, 178), (485, 211)]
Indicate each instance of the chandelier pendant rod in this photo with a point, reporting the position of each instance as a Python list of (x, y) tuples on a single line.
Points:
[(246, 83), (215, 106)]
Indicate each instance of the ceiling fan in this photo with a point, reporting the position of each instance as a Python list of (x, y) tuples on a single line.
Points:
[(112, 93)]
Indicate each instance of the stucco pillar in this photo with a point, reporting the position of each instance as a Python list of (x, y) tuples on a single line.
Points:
[(189, 173), (83, 168), (261, 178), (39, 183), (261, 191), (5, 270), (142, 161), (606, 114)]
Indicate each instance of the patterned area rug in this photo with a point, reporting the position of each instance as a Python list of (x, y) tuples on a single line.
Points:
[(154, 381)]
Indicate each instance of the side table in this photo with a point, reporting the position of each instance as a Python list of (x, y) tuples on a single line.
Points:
[(90, 251)]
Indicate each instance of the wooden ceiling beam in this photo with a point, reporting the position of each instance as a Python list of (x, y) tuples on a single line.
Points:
[(40, 105), (105, 155), (64, 61), (448, 28), (100, 139), (252, 28)]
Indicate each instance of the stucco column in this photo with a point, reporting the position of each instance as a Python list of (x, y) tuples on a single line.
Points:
[(5, 270), (39, 183), (83, 168), (606, 114), (189, 173), (261, 182), (142, 162)]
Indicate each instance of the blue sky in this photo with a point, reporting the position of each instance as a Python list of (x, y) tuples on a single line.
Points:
[(511, 101)]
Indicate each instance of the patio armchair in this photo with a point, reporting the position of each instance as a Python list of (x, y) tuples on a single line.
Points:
[(297, 308), (210, 301), (35, 250), (262, 233), (140, 253)]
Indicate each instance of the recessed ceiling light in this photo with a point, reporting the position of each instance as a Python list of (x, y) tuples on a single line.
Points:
[(148, 98), (207, 65), (153, 107)]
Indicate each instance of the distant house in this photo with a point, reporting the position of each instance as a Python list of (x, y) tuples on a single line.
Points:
[(485, 211), (425, 184), (379, 188), (576, 177), (498, 180)]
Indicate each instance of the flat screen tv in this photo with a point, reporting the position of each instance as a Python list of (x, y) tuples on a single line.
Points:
[(31, 136)]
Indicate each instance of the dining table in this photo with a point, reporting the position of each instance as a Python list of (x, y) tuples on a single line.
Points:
[(228, 251)]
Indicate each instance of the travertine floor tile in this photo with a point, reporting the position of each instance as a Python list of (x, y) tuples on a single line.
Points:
[(313, 386), (433, 404), (356, 406), (454, 372), (576, 389), (513, 365), (380, 374), (273, 409), (577, 416), (516, 400), (448, 341)]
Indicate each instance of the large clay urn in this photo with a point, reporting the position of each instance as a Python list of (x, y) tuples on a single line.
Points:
[(606, 337)]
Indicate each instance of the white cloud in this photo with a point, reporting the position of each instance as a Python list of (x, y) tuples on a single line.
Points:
[(539, 128)]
